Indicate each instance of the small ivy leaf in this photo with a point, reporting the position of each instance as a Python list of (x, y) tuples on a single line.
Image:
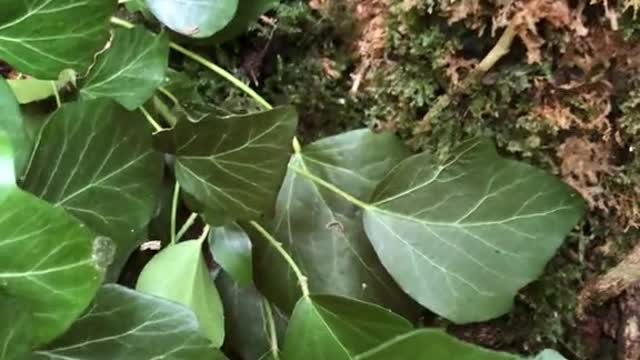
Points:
[(124, 324), (31, 89), (130, 70), (95, 159), (338, 328), (179, 273), (252, 324), (231, 248), (323, 232), (43, 37), (47, 262), (549, 354), (232, 166), (474, 229), (11, 123), (429, 344), (194, 18), (16, 339)]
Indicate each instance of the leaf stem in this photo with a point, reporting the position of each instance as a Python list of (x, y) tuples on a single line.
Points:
[(271, 324), (122, 22), (170, 95), (187, 224), (150, 119), (329, 186), (174, 212), (56, 94), (205, 233), (302, 280)]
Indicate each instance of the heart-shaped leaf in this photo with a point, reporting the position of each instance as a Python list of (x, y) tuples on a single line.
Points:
[(49, 262), (323, 232), (130, 70), (233, 166), (44, 37), (31, 89), (11, 123), (254, 328), (337, 328), (179, 273), (124, 325), (195, 18), (231, 248), (429, 345), (15, 335), (95, 159), (473, 229)]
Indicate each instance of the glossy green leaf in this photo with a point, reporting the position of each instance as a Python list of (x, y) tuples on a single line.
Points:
[(231, 248), (43, 37), (179, 273), (431, 345), (31, 89), (248, 12), (11, 122), (126, 325), (323, 232), (195, 18), (337, 328), (95, 159), (233, 166), (130, 70), (15, 334), (252, 324), (470, 230), (49, 263)]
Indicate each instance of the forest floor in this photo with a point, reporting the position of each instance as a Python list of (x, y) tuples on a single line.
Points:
[(555, 82)]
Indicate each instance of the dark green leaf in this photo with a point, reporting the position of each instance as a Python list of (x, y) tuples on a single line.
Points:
[(15, 334), (179, 273), (471, 230), (231, 248), (11, 123), (323, 232), (337, 328), (44, 37), (251, 322), (95, 159), (248, 12), (431, 345), (130, 70), (195, 18), (232, 165), (126, 325), (49, 262)]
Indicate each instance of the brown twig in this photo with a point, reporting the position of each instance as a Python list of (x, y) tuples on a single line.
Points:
[(499, 50)]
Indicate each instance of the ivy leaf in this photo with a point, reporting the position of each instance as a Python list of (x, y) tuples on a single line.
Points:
[(95, 160), (131, 70), (31, 90), (252, 324), (123, 324), (179, 273), (15, 340), (50, 263), (44, 37), (232, 165), (248, 12), (195, 18), (337, 328), (473, 229), (11, 123), (429, 344), (231, 248), (323, 232)]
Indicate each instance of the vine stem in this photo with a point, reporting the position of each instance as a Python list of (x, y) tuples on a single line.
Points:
[(187, 224), (271, 324), (174, 212), (204, 234), (302, 280), (150, 119)]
